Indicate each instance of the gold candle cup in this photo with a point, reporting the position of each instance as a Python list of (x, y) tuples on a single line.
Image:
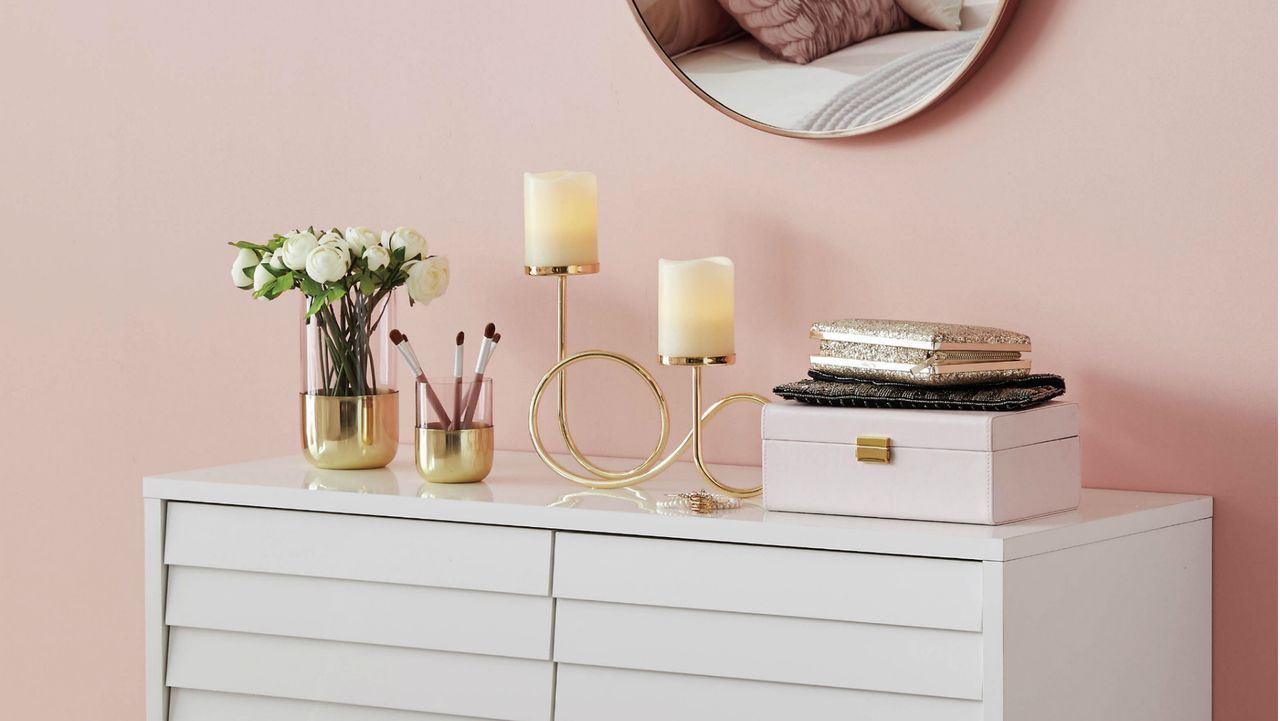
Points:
[(460, 456)]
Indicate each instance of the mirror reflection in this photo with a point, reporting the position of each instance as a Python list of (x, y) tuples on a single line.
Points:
[(822, 67)]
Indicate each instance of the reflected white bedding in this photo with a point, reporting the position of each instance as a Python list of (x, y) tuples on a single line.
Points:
[(744, 76)]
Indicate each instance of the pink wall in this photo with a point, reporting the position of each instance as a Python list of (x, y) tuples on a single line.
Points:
[(1107, 183)]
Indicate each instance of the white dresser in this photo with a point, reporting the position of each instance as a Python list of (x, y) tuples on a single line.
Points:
[(276, 592)]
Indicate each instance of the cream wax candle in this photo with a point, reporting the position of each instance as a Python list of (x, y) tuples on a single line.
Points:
[(560, 219), (695, 308)]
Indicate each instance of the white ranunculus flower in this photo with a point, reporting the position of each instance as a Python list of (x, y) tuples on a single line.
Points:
[(334, 240), (297, 246), (327, 263), (277, 259), (428, 279), (358, 239), (415, 246), (262, 276), (245, 259), (377, 256)]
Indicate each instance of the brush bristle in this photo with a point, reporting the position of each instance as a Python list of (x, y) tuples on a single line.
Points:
[(489, 329), (396, 336), (497, 337), (461, 335)]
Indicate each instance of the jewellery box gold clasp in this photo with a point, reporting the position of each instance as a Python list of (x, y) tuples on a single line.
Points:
[(873, 449)]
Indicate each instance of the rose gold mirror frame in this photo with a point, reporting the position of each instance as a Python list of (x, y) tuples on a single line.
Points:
[(986, 45)]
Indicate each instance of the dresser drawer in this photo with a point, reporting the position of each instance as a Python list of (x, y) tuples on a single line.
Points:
[(442, 619), (585, 693), (361, 548), (192, 705), (487, 687), (840, 654), (899, 590)]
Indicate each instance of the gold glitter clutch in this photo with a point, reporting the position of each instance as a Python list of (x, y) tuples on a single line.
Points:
[(919, 353)]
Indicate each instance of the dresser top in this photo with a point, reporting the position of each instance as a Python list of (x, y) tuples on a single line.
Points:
[(522, 492)]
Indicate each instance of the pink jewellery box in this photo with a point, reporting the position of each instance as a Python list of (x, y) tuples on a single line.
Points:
[(960, 466)]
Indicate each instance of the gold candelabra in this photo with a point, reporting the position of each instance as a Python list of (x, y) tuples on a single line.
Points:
[(656, 463)]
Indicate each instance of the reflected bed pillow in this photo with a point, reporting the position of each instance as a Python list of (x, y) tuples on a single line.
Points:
[(682, 25), (937, 14), (804, 30)]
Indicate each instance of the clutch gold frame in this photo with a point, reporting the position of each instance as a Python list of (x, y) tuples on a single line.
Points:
[(656, 462)]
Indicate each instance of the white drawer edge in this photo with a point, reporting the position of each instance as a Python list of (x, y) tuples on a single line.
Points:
[(188, 704), (360, 548), (835, 585), (360, 674), (441, 619), (801, 651), (590, 693)]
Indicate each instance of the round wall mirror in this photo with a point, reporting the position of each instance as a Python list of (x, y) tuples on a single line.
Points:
[(823, 68)]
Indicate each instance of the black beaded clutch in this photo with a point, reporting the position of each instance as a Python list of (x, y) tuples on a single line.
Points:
[(1011, 395)]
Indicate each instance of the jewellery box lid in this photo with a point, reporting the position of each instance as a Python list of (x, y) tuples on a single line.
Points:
[(910, 428)]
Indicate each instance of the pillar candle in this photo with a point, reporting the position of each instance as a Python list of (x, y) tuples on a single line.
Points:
[(695, 307), (559, 219)]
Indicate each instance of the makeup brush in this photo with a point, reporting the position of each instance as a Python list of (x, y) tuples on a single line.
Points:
[(482, 361), (406, 351), (457, 381)]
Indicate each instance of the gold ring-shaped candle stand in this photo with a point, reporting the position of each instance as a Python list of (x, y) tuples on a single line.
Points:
[(656, 463)]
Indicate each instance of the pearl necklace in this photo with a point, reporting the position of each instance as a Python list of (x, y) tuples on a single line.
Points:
[(698, 502)]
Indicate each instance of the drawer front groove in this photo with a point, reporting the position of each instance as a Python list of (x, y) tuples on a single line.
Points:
[(193, 705), (486, 687), (442, 619), (360, 548), (585, 693), (930, 662), (834, 585)]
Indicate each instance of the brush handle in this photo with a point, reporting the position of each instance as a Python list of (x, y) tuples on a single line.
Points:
[(434, 400), (472, 401), (457, 402)]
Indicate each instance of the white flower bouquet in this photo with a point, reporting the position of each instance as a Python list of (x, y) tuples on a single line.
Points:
[(348, 280)]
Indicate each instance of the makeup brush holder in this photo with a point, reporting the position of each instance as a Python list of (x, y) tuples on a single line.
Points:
[(456, 449)]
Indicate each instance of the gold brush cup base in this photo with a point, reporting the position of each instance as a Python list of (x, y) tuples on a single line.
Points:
[(350, 432), (462, 456)]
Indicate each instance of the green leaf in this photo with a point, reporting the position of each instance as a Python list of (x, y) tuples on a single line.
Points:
[(316, 305), (367, 286), (248, 246), (283, 283), (335, 293), (309, 286)]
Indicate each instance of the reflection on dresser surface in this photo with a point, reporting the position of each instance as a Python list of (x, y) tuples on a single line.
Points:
[(276, 592)]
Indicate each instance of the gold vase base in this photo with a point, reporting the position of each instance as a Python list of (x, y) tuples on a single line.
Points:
[(350, 432), (461, 456)]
